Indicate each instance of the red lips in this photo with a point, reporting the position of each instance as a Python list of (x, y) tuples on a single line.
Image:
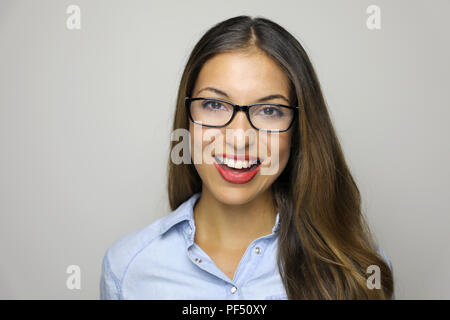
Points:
[(237, 176)]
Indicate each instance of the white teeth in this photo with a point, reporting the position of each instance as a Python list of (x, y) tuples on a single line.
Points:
[(237, 164)]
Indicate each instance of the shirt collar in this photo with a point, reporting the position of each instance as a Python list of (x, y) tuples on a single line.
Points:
[(185, 212)]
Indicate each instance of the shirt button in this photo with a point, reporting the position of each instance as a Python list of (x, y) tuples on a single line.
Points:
[(233, 289), (190, 230), (258, 250), (198, 260)]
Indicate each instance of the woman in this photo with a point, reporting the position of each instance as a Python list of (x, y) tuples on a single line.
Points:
[(273, 214)]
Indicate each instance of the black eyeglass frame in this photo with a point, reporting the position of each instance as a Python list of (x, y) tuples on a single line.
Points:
[(236, 108)]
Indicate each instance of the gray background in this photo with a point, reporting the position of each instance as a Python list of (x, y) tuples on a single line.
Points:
[(85, 120)]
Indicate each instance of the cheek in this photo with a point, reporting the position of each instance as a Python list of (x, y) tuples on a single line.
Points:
[(285, 149), (195, 141), (278, 151), (202, 142)]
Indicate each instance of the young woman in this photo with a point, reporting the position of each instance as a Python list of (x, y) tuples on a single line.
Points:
[(283, 222)]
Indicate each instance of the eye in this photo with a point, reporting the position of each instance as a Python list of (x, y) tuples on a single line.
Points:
[(271, 111), (213, 105)]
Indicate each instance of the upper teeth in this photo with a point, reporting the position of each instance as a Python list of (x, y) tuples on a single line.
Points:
[(237, 164)]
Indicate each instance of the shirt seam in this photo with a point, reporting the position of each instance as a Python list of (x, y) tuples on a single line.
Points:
[(129, 263), (111, 273)]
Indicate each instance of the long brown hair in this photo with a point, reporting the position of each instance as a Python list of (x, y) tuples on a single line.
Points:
[(325, 245)]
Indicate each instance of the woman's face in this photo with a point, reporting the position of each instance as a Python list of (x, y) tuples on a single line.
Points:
[(244, 78)]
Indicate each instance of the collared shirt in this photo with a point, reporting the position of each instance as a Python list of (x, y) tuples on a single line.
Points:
[(162, 261)]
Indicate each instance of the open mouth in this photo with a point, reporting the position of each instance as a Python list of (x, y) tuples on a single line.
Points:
[(237, 171), (237, 165)]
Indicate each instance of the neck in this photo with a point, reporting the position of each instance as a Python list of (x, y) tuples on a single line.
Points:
[(233, 226)]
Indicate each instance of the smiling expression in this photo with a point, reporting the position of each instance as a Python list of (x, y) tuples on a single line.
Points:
[(234, 172)]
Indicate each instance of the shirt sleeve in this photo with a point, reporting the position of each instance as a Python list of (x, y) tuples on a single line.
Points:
[(109, 283)]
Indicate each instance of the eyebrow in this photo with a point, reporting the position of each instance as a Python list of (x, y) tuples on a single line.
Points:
[(267, 98)]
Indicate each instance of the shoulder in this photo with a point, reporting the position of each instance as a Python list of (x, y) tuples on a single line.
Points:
[(118, 257), (121, 253)]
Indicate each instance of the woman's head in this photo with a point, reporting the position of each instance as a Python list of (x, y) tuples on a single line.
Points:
[(324, 243), (243, 78), (247, 61)]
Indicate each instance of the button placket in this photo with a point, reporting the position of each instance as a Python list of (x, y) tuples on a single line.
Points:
[(198, 260)]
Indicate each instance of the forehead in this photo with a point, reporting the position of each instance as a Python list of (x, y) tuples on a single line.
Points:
[(243, 75)]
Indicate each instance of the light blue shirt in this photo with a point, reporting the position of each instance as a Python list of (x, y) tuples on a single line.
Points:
[(162, 261)]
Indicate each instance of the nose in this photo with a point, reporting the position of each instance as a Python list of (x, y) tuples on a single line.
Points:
[(240, 121), (239, 136)]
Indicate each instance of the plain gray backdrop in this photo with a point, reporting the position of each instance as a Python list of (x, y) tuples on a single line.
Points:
[(85, 119)]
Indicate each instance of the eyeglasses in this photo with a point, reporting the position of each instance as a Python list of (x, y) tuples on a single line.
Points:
[(212, 112)]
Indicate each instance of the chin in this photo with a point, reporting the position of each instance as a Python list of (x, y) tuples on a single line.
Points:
[(233, 194)]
